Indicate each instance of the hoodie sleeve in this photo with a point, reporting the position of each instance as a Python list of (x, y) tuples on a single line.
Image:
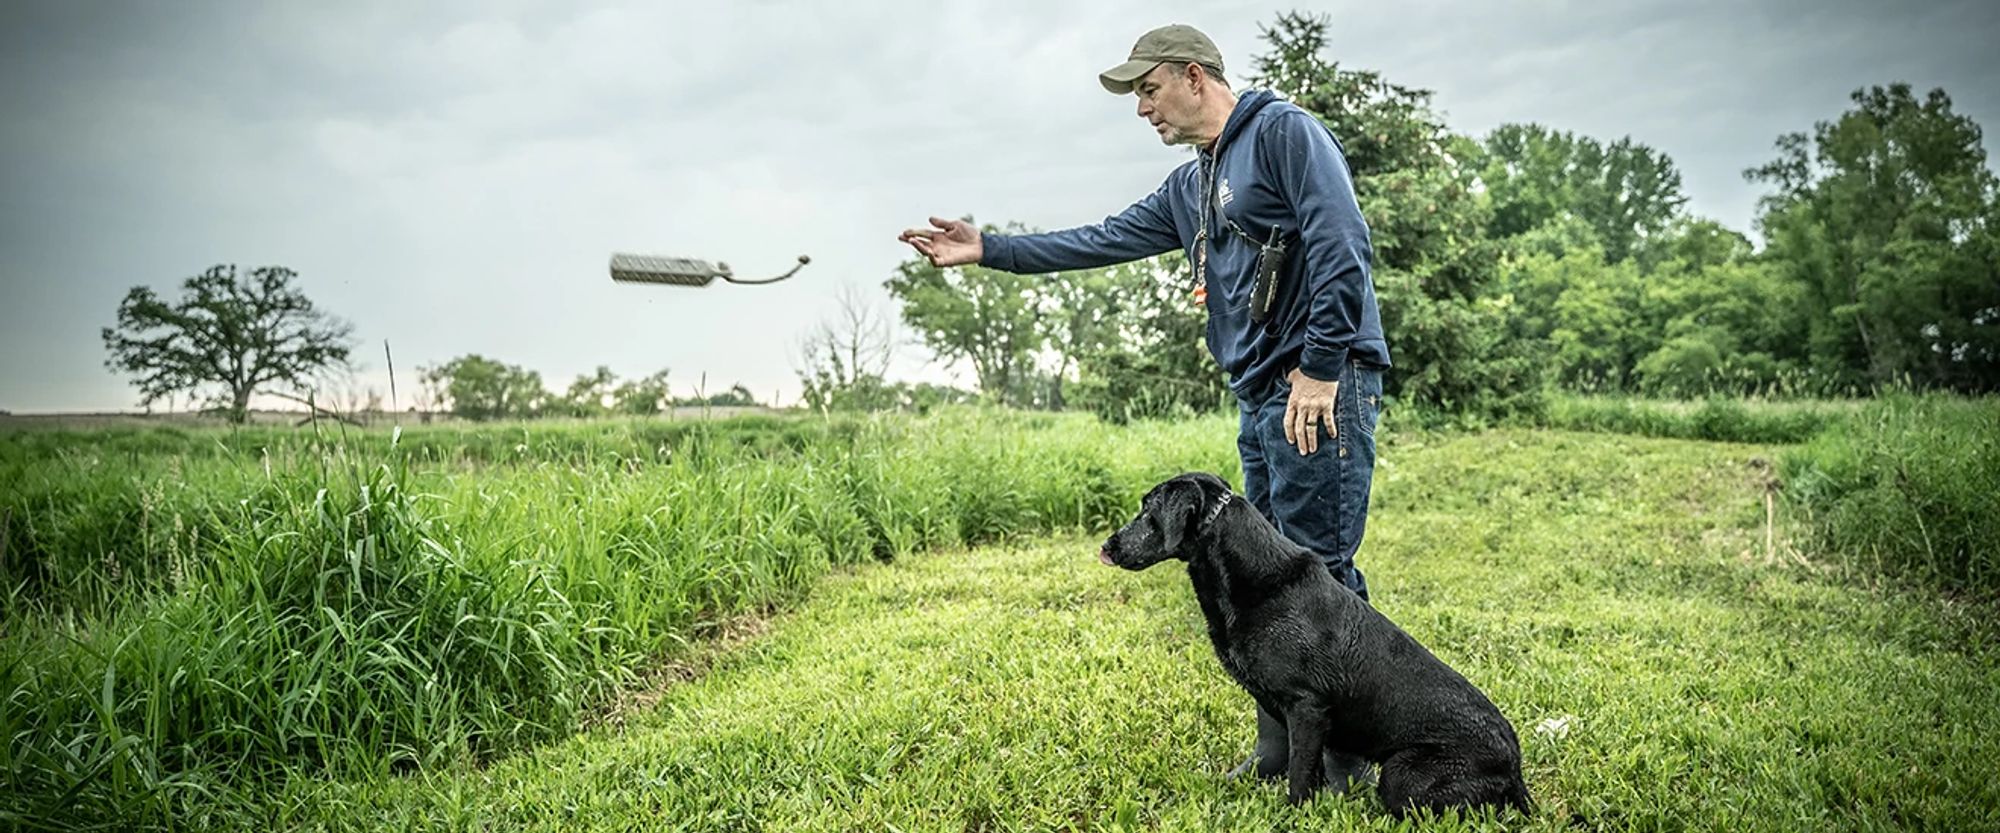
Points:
[(1144, 229), (1314, 177)]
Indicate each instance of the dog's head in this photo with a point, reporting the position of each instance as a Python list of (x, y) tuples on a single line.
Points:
[(1169, 517)]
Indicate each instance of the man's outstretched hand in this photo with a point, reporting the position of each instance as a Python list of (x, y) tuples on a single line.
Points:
[(948, 243)]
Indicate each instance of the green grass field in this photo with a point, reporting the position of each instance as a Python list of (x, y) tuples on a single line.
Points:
[(1611, 594), (900, 624)]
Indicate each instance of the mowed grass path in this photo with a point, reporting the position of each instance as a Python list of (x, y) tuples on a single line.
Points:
[(1614, 587)]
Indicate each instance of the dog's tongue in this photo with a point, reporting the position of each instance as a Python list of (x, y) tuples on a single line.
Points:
[(1104, 555)]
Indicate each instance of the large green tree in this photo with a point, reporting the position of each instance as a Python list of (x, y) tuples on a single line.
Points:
[(644, 396), (1150, 357), (1435, 264), (1886, 220), (1023, 335), (480, 388), (1081, 316), (1717, 318), (1700, 313), (1625, 192), (987, 318), (588, 396), (235, 334)]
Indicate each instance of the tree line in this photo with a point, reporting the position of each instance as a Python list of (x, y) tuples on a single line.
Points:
[(234, 334), (480, 388)]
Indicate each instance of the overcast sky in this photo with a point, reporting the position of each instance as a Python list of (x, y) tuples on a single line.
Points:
[(452, 177)]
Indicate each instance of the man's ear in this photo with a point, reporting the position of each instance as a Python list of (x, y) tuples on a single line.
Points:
[(1179, 500)]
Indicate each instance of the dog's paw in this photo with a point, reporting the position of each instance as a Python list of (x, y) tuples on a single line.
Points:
[(1344, 773)]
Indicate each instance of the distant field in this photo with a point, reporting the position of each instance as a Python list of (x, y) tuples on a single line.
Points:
[(87, 421)]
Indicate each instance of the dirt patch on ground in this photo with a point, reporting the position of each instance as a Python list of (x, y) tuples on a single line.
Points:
[(663, 673)]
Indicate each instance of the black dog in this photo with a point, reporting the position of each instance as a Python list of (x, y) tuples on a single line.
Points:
[(1342, 678)]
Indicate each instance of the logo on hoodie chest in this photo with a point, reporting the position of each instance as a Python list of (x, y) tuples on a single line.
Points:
[(1223, 195)]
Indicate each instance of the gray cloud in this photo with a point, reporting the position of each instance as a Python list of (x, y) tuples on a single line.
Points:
[(453, 177)]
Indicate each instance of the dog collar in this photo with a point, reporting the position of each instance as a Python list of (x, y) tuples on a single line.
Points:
[(1212, 513)]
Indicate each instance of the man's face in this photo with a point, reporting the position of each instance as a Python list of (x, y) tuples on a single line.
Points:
[(1167, 101)]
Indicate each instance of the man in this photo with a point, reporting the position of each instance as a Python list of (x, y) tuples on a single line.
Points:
[(1270, 188)]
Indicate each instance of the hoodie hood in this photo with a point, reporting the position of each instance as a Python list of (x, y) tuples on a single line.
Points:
[(1247, 106)]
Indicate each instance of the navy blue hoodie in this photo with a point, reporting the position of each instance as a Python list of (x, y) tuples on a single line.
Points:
[(1278, 166)]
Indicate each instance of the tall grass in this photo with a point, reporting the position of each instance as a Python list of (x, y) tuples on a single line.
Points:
[(189, 614), (1908, 490), (1904, 487), (540, 441), (1717, 419), (85, 513)]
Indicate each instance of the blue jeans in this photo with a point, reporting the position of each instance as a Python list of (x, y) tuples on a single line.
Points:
[(1318, 500)]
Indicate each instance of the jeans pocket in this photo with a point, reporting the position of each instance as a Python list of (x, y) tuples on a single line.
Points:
[(1365, 398)]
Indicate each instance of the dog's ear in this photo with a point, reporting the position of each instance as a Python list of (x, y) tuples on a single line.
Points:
[(1178, 502), (1213, 488)]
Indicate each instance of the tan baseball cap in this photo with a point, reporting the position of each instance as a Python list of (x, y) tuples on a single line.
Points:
[(1178, 42)]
